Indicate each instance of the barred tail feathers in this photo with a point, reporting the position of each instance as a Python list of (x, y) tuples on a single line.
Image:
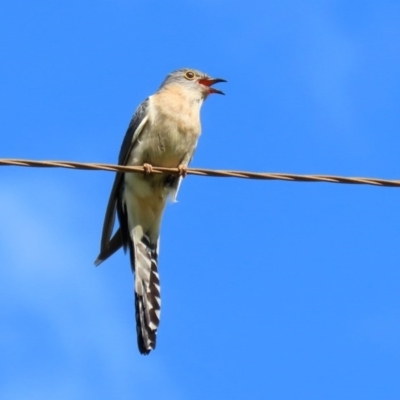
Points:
[(147, 293)]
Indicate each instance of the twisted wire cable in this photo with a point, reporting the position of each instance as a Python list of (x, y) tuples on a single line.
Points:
[(17, 162)]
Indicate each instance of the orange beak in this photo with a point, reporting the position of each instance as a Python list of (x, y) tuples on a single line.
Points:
[(211, 81)]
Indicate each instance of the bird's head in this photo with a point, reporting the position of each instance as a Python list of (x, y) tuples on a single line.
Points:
[(193, 80)]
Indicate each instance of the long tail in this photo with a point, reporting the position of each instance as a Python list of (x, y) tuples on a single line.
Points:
[(147, 293)]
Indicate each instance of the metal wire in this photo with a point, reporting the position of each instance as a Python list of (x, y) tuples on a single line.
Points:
[(202, 172)]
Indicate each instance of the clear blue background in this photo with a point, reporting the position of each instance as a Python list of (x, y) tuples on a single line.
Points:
[(271, 290)]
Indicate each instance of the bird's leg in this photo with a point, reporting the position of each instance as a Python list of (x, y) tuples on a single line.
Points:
[(148, 168), (182, 170)]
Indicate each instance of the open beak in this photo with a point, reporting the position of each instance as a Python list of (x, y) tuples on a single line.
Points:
[(211, 81)]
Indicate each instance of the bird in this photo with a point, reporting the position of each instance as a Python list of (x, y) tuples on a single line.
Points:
[(163, 132)]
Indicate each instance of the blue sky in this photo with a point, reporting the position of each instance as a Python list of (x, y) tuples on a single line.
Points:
[(271, 290)]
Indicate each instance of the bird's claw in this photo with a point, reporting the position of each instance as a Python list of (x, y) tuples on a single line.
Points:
[(148, 168), (182, 170)]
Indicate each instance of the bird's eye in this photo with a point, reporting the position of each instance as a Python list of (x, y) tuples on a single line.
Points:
[(190, 75)]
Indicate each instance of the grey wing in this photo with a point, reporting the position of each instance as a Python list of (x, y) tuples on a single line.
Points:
[(108, 245)]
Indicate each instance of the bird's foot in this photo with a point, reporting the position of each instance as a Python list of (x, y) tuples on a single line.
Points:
[(182, 170), (148, 168)]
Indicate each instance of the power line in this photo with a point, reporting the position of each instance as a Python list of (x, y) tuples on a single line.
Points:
[(201, 172)]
